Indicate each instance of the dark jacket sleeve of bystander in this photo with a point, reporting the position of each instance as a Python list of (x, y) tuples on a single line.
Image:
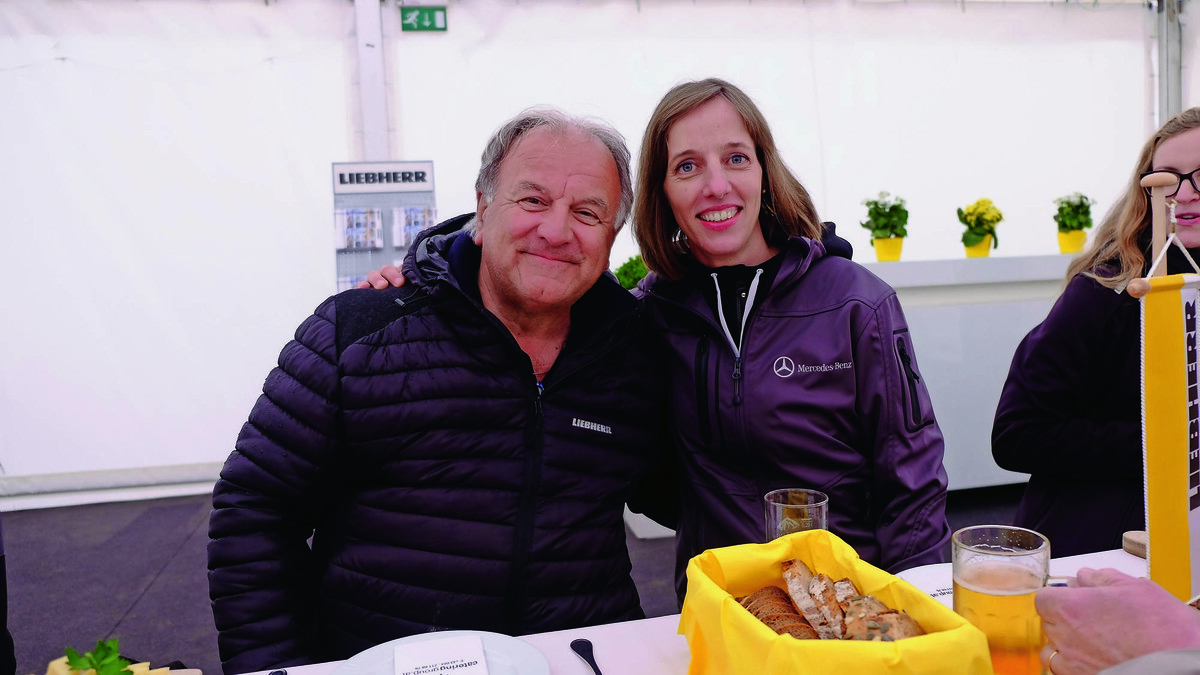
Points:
[(1069, 406), (269, 498)]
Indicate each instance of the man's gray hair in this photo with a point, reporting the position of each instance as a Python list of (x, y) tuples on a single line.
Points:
[(507, 136)]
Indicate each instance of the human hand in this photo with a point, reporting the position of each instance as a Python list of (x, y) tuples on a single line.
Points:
[(380, 279), (1108, 618)]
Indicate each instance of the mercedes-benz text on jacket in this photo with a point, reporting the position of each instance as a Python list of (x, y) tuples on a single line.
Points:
[(826, 395), (446, 489)]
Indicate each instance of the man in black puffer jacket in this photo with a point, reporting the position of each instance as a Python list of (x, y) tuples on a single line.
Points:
[(460, 449)]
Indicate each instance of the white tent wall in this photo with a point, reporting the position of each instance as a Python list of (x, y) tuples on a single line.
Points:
[(165, 172), (167, 223), (941, 103)]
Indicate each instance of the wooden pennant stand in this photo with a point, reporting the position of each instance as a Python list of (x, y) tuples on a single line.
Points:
[(1159, 224)]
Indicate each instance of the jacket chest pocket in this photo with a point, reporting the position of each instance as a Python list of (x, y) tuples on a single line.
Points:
[(918, 407)]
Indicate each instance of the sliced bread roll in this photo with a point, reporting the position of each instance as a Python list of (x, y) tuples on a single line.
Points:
[(799, 578), (773, 606), (765, 594), (821, 590), (845, 589), (800, 631), (886, 626), (862, 606)]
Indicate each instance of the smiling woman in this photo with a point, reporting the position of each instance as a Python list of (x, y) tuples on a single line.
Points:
[(1070, 411), (714, 185), (792, 366)]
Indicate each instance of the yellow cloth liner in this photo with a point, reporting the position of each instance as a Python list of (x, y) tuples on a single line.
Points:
[(725, 639)]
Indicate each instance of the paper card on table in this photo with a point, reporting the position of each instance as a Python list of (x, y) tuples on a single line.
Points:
[(459, 655), (1171, 431)]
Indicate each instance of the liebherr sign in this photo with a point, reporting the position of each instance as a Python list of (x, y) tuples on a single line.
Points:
[(379, 210), (364, 177)]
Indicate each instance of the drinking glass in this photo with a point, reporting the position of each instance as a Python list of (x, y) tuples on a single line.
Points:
[(794, 510), (997, 570)]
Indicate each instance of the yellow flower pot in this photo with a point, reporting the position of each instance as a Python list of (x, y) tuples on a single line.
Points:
[(1071, 242), (980, 250), (887, 249)]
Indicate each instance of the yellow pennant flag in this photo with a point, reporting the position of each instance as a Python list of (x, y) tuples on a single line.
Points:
[(1171, 432)]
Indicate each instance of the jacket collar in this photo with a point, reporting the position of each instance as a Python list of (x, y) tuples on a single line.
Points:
[(797, 255)]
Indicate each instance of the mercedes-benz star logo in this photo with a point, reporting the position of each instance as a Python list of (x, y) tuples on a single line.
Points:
[(784, 367)]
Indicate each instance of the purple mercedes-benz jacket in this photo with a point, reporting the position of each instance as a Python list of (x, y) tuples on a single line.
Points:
[(825, 395)]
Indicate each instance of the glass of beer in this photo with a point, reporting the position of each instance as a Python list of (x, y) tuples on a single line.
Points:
[(795, 510), (997, 570)]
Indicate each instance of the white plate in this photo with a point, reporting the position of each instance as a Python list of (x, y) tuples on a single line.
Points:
[(505, 655)]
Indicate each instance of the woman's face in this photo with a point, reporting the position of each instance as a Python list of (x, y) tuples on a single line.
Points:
[(714, 185), (1181, 153)]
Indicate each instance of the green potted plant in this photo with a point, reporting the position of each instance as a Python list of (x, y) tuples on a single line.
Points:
[(1073, 217), (886, 219), (631, 272), (980, 219)]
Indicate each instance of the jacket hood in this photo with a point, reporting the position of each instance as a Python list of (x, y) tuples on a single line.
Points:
[(438, 254), (835, 245)]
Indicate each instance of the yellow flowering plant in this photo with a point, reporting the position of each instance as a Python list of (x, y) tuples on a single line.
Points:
[(981, 219)]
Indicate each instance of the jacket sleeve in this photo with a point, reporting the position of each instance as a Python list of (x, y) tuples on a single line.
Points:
[(656, 495), (1041, 420), (1169, 662), (267, 503), (908, 492)]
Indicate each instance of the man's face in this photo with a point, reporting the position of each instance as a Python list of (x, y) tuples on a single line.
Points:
[(547, 233)]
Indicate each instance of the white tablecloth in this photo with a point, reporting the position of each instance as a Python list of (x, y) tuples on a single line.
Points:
[(654, 646), (936, 579)]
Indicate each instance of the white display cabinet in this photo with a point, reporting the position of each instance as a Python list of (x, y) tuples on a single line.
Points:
[(378, 209)]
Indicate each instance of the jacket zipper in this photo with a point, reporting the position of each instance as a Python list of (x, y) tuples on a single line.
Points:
[(533, 470), (913, 378), (701, 376), (737, 380), (524, 534)]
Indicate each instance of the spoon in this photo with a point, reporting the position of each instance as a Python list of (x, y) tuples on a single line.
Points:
[(583, 648)]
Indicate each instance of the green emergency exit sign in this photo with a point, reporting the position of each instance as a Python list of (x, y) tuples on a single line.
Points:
[(422, 18)]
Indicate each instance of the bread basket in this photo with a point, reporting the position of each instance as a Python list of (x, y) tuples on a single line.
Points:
[(725, 639)]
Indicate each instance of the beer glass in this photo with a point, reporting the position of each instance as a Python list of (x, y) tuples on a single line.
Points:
[(997, 570), (795, 510)]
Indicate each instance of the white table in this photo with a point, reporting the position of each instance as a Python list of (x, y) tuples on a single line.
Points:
[(655, 647)]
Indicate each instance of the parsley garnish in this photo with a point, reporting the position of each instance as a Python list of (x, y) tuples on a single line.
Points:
[(105, 660)]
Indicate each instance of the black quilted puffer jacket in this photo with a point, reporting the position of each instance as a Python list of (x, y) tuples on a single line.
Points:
[(442, 488)]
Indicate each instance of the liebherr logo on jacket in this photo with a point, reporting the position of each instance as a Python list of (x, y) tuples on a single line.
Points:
[(785, 367), (594, 426)]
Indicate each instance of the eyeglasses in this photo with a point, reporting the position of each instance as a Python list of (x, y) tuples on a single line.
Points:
[(1179, 178)]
